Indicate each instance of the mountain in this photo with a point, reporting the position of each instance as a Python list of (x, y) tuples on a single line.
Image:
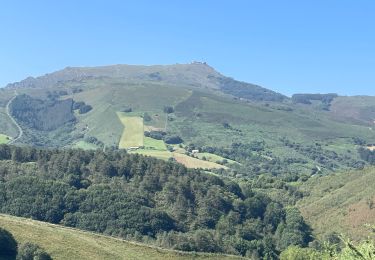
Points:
[(189, 113), (255, 158), (196, 74)]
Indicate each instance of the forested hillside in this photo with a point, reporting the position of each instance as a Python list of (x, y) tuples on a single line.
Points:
[(145, 199)]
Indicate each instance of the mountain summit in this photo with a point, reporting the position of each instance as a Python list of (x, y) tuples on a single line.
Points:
[(195, 74)]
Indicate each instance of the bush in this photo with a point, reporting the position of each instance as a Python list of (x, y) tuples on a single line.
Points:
[(147, 117), (168, 109), (127, 110), (173, 140), (158, 135), (8, 245), (85, 109), (29, 251)]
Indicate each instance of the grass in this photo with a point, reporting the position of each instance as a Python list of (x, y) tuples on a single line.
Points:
[(133, 133), (4, 139), (85, 145), (67, 243), (200, 114), (213, 157), (151, 143), (195, 163), (341, 202), (164, 155)]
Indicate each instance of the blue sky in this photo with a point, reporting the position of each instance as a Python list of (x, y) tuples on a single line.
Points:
[(287, 46)]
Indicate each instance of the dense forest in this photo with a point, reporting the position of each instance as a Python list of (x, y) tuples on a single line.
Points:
[(146, 199), (248, 91)]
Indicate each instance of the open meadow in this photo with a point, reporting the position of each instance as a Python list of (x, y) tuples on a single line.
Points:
[(133, 131), (68, 243)]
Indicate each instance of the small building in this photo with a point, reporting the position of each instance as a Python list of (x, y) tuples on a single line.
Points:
[(133, 148), (195, 151)]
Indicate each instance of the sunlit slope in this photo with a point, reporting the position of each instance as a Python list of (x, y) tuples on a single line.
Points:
[(66, 243), (341, 202)]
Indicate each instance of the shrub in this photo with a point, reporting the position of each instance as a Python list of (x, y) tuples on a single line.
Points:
[(29, 251), (8, 245)]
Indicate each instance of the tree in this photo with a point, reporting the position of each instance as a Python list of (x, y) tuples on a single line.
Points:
[(29, 251), (8, 245), (294, 231), (168, 109), (297, 253)]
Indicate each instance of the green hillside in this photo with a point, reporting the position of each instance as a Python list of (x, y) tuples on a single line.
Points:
[(211, 113), (68, 243), (342, 202)]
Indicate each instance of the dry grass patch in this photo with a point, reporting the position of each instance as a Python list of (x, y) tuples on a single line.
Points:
[(133, 133), (67, 243)]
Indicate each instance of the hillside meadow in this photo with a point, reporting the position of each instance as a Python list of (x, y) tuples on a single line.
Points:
[(68, 243)]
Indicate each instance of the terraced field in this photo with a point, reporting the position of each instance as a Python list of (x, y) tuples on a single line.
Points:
[(133, 132), (67, 243)]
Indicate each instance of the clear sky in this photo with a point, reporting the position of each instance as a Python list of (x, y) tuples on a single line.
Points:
[(287, 46)]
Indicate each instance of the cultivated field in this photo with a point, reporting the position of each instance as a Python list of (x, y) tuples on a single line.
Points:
[(67, 243), (133, 132)]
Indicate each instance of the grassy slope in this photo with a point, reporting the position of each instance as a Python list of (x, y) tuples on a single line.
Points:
[(340, 202), (133, 131), (191, 162), (357, 109), (67, 243), (201, 112), (154, 144), (85, 145), (4, 139)]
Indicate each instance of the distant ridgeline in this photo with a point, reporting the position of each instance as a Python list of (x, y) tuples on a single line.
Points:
[(326, 99)]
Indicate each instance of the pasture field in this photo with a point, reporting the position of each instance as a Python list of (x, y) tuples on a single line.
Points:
[(213, 157), (133, 133), (164, 155), (85, 145), (195, 163), (151, 143), (68, 243), (4, 139)]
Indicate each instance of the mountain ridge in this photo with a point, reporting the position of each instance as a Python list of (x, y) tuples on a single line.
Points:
[(195, 74)]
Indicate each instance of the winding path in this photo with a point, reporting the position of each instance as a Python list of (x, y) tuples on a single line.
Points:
[(20, 131)]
